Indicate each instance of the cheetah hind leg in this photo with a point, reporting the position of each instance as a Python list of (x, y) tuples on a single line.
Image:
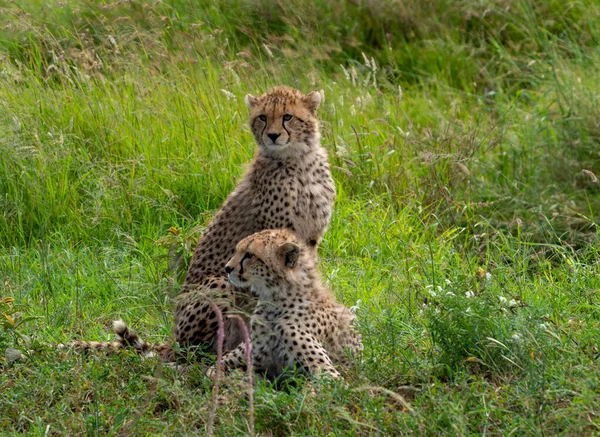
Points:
[(196, 321)]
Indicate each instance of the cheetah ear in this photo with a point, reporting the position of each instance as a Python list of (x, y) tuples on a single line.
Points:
[(289, 253), (251, 101), (312, 100)]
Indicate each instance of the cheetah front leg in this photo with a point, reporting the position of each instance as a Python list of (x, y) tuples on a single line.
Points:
[(304, 349), (235, 359)]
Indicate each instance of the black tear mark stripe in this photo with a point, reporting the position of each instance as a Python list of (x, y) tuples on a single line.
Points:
[(244, 258), (263, 129)]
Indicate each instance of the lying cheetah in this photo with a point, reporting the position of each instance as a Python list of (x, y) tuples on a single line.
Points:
[(288, 185), (296, 321)]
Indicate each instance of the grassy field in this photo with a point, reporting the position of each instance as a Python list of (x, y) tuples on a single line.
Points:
[(465, 143)]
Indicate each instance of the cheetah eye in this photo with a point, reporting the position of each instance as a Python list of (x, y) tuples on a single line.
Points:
[(287, 117), (262, 117), (248, 255)]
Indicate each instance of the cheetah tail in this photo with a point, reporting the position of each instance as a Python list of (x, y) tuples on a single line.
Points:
[(125, 338), (128, 338)]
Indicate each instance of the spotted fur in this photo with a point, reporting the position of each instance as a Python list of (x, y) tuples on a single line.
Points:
[(287, 185), (297, 322)]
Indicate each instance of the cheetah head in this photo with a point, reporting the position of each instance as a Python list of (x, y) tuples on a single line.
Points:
[(284, 121), (264, 260)]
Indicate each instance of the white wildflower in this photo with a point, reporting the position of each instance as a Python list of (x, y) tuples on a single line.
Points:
[(449, 293), (430, 290), (516, 336), (513, 303), (502, 299), (488, 276), (448, 281), (469, 294)]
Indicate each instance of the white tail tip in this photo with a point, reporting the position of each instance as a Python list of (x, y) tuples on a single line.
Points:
[(119, 327)]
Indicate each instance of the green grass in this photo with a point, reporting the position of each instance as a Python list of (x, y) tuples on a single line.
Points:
[(466, 150)]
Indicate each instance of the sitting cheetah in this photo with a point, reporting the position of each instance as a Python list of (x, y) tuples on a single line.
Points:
[(296, 321), (288, 185)]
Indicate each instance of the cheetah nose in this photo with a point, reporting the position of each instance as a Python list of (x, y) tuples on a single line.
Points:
[(273, 136), (228, 269)]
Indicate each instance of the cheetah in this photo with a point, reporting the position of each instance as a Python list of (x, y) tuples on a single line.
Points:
[(287, 185), (297, 322)]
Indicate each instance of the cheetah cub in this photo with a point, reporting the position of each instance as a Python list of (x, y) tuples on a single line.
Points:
[(296, 321)]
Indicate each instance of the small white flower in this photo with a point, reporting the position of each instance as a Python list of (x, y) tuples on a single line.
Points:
[(502, 300), (449, 293), (488, 276), (469, 294), (468, 310), (516, 336), (543, 326), (429, 289), (512, 303), (448, 281)]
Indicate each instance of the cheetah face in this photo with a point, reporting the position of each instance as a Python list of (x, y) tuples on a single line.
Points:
[(262, 261), (241, 267), (283, 120)]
